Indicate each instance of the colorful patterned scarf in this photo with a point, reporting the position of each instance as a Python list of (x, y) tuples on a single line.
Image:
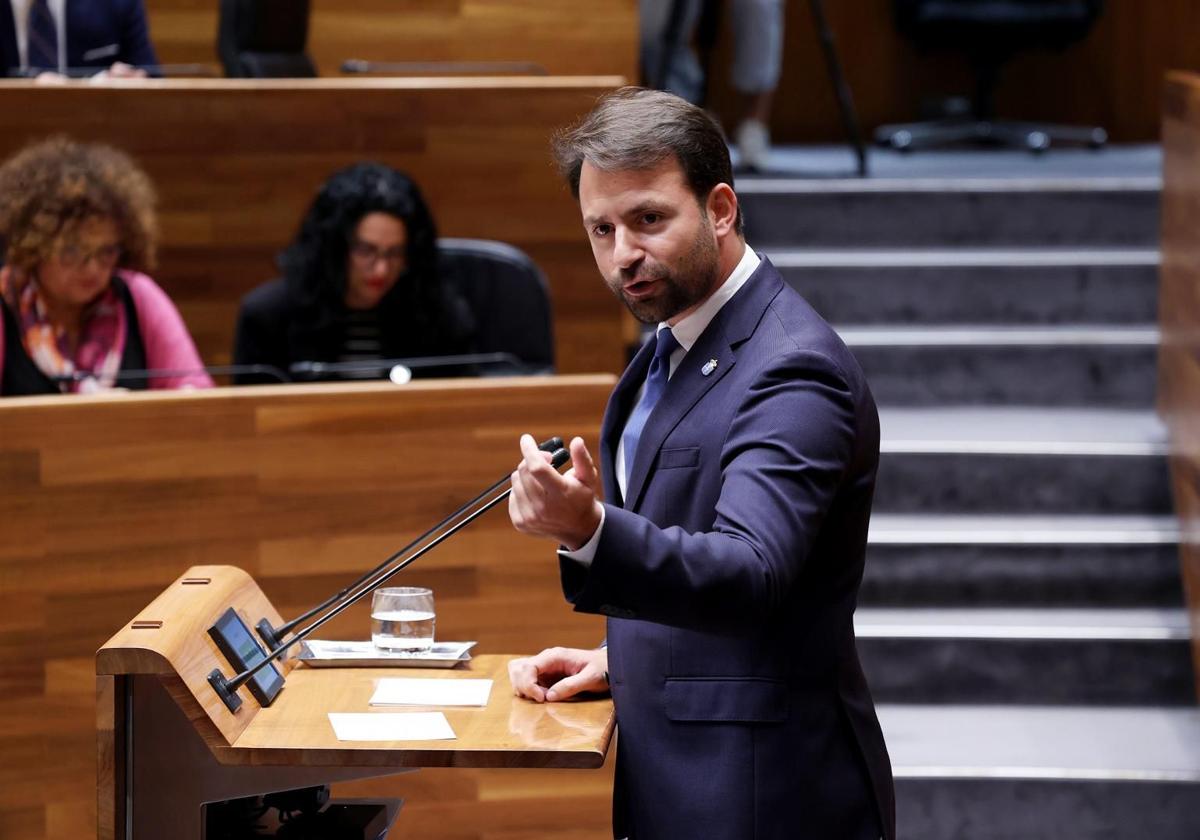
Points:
[(101, 338)]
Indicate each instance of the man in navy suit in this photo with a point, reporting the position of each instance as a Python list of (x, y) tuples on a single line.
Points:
[(59, 35), (739, 452)]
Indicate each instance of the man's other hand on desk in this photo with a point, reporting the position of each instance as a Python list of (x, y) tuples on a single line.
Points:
[(559, 673)]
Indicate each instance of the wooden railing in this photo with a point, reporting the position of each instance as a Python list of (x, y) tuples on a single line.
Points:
[(105, 501), (1179, 317), (237, 162), (562, 36)]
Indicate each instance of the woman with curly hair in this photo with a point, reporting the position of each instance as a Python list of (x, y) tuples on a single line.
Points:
[(79, 227), (360, 283)]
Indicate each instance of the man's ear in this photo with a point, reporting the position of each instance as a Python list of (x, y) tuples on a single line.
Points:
[(722, 207)]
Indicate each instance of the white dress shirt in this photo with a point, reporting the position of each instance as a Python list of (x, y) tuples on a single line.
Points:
[(20, 10), (687, 332)]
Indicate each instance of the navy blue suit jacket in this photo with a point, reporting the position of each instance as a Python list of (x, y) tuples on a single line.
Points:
[(730, 576), (99, 32)]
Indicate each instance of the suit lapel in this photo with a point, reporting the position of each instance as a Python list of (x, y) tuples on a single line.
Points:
[(683, 391), (715, 352)]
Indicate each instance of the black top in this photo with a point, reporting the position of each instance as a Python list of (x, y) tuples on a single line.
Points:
[(362, 341), (276, 327), (23, 378)]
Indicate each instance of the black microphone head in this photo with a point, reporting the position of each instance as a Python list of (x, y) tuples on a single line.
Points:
[(551, 444), (560, 457)]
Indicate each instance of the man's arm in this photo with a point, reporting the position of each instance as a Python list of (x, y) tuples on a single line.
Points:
[(783, 461)]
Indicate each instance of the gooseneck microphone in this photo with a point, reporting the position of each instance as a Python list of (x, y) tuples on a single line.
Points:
[(170, 373), (194, 69), (315, 370), (443, 68), (273, 636), (227, 689)]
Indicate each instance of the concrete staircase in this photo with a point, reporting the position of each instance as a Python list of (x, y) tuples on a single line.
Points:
[(1021, 619)]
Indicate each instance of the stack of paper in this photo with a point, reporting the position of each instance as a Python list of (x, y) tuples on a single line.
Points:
[(410, 691), (410, 726)]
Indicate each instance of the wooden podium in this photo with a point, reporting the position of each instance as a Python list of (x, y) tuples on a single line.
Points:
[(166, 744)]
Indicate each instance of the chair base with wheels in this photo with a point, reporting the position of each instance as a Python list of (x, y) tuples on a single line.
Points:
[(1035, 137), (991, 34)]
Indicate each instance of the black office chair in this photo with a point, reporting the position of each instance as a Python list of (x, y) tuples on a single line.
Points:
[(264, 39), (508, 295), (991, 32)]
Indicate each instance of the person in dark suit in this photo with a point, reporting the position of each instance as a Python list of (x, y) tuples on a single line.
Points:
[(111, 36), (738, 452)]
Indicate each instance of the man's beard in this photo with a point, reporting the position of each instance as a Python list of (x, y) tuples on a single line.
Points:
[(680, 288)]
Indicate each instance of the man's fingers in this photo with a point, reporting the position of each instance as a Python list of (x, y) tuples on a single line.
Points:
[(536, 464), (582, 462), (524, 678), (531, 455), (520, 506), (586, 680)]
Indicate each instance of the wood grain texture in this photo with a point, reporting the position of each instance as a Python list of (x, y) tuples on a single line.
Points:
[(237, 162), (1179, 318), (105, 501), (1111, 78), (509, 732), (169, 638), (550, 33)]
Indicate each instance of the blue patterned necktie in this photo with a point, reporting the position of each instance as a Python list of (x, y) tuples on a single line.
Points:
[(42, 48), (656, 383)]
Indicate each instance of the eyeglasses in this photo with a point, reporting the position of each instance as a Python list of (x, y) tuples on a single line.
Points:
[(73, 256), (366, 254)]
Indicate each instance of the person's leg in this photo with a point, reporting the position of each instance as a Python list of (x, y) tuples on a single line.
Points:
[(661, 20), (757, 60)]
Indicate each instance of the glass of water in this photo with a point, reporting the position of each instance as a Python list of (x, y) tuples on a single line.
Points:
[(402, 618)]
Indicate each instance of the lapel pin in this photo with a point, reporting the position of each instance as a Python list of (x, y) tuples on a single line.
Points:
[(709, 367)]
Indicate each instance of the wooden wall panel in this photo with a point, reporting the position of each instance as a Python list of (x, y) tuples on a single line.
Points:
[(104, 501), (1179, 318), (1111, 78), (237, 162), (559, 35)]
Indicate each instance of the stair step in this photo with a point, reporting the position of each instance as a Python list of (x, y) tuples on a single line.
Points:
[(981, 286), (1022, 460), (1044, 773), (941, 212), (1023, 656), (1113, 366), (1014, 560)]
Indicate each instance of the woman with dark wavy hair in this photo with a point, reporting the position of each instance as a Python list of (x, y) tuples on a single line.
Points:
[(360, 283)]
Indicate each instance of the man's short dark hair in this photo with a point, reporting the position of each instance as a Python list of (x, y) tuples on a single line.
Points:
[(635, 128)]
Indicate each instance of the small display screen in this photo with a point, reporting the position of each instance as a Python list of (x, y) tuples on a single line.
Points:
[(243, 651)]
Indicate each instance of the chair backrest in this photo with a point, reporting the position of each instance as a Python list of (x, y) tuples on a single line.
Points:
[(508, 296), (264, 39), (1001, 26)]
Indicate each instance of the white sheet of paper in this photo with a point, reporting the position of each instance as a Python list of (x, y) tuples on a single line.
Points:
[(391, 726), (416, 691)]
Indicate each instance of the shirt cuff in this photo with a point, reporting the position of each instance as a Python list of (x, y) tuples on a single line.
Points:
[(586, 552)]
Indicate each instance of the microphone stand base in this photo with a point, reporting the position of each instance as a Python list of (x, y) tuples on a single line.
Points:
[(266, 632), (228, 695)]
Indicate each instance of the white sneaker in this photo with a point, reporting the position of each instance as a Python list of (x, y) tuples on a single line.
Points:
[(754, 144)]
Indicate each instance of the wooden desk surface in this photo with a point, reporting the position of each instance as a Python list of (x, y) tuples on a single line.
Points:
[(508, 732)]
